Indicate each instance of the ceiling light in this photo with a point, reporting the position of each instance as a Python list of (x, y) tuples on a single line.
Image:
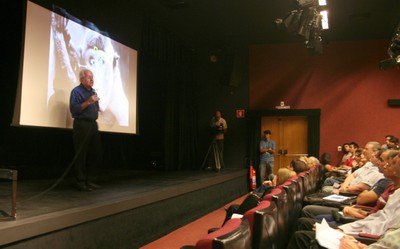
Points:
[(393, 51)]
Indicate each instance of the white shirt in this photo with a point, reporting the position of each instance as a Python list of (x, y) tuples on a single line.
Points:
[(220, 121), (368, 174), (380, 221)]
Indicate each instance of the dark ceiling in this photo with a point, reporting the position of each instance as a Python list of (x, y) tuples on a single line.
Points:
[(212, 22)]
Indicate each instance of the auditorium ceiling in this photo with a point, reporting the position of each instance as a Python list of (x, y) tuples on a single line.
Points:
[(210, 23), (202, 22)]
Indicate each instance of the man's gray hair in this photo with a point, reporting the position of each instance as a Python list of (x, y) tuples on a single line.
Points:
[(375, 145), (82, 73)]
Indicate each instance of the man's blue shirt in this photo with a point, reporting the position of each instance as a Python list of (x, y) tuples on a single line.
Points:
[(264, 144), (79, 95)]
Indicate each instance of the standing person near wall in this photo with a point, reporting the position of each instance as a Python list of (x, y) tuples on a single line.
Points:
[(267, 151), (219, 127)]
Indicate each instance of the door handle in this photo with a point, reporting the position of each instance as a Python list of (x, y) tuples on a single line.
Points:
[(280, 152), (284, 152)]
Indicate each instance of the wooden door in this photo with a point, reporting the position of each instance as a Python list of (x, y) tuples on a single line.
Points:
[(290, 134)]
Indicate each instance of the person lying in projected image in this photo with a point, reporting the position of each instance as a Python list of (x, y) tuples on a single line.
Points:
[(74, 48)]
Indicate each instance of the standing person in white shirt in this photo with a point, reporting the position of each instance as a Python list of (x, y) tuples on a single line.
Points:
[(219, 127)]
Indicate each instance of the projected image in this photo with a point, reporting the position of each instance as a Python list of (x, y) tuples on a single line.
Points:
[(56, 48), (74, 47)]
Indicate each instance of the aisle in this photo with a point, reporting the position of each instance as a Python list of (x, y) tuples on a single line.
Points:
[(192, 232)]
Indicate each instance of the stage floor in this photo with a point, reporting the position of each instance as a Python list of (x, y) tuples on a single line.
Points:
[(121, 190), (115, 185)]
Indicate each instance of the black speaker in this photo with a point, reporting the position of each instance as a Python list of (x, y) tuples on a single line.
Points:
[(231, 68), (227, 59), (394, 102)]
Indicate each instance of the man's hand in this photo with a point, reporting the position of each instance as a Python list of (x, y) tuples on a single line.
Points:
[(93, 99), (354, 212), (349, 242), (268, 183)]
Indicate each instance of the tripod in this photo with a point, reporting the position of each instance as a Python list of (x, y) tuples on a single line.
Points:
[(213, 148)]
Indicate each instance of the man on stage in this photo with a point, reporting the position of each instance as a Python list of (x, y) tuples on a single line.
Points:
[(84, 107)]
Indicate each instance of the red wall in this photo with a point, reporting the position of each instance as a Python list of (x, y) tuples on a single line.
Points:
[(344, 82)]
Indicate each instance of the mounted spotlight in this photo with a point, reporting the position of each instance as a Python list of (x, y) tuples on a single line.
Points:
[(393, 51), (306, 3), (290, 22), (306, 22)]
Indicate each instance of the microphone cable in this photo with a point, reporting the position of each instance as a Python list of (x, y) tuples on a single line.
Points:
[(66, 171)]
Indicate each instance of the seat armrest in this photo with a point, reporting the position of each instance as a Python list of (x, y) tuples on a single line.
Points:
[(349, 193), (367, 238), (365, 208)]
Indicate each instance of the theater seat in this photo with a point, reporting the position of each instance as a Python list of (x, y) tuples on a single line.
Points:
[(280, 198), (285, 207), (235, 234), (304, 181), (263, 221)]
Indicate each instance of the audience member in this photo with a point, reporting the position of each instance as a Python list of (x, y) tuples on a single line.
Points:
[(314, 160), (346, 152), (393, 143), (352, 149), (298, 166), (387, 141), (369, 197)]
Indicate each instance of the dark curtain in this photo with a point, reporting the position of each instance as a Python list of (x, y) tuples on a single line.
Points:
[(313, 135), (254, 139), (254, 143), (180, 123)]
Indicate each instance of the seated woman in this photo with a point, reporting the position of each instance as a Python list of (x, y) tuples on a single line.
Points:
[(309, 161), (256, 196), (346, 152), (266, 187)]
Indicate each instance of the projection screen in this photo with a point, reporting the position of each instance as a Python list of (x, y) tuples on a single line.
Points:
[(55, 49)]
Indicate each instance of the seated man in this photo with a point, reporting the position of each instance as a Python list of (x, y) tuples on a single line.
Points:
[(363, 178), (370, 197), (376, 223)]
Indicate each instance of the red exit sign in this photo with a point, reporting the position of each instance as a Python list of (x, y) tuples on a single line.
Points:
[(239, 113)]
